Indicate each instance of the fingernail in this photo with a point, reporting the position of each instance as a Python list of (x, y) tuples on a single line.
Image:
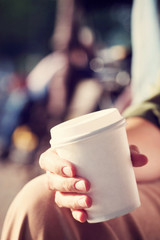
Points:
[(67, 171), (82, 202), (80, 186), (135, 149)]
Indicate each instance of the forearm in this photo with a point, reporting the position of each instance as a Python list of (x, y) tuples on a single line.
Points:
[(147, 137)]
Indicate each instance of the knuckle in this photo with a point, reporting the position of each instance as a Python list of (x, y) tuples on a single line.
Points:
[(41, 161), (75, 205), (57, 199), (49, 181), (57, 169), (68, 186)]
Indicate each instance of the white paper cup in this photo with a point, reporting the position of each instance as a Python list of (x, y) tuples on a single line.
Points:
[(97, 145)]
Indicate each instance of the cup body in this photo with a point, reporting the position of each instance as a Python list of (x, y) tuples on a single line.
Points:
[(102, 156)]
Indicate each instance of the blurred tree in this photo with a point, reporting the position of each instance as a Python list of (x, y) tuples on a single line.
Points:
[(90, 5), (25, 25)]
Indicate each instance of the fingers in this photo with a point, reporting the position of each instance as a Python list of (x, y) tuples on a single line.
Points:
[(137, 158), (68, 188), (79, 215), (63, 184), (72, 201), (50, 161)]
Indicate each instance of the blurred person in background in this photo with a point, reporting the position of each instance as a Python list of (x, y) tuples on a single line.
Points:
[(65, 76), (75, 43)]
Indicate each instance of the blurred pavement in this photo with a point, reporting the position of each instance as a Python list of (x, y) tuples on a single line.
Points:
[(13, 176)]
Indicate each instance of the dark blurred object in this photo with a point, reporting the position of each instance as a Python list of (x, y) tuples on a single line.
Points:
[(25, 27)]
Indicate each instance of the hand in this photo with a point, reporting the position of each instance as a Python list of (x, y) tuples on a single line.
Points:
[(70, 190)]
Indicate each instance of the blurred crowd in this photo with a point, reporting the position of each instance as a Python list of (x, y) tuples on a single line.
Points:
[(78, 76)]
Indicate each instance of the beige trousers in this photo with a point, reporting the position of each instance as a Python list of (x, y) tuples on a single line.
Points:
[(34, 215)]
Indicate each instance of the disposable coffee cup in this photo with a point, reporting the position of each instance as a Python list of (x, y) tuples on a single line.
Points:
[(97, 145)]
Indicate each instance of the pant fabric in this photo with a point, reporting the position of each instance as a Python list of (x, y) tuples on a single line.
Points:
[(33, 215)]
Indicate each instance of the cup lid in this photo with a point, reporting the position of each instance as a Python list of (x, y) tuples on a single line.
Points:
[(85, 125)]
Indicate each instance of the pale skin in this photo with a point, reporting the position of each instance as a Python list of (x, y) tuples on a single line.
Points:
[(70, 190)]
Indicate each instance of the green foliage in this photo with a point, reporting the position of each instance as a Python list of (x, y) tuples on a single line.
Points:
[(25, 25)]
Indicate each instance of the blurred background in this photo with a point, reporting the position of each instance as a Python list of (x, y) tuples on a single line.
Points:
[(55, 55), (58, 60)]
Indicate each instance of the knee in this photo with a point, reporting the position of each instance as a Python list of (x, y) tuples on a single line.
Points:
[(34, 193), (28, 209)]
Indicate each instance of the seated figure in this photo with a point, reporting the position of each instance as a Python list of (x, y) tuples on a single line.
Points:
[(49, 206)]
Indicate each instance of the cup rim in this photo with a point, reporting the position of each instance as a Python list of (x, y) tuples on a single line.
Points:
[(81, 137)]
